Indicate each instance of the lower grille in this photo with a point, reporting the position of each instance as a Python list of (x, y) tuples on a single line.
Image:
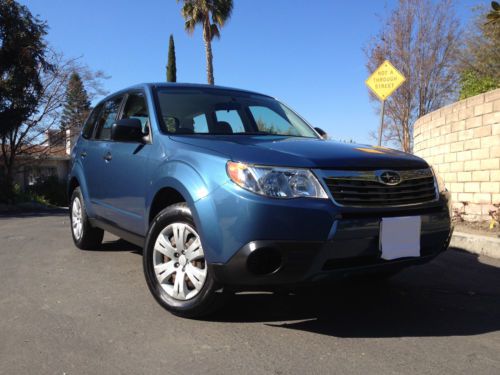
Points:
[(367, 189)]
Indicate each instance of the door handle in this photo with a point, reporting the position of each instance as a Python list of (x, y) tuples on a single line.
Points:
[(83, 154), (107, 156)]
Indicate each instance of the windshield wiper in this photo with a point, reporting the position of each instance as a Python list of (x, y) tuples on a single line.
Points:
[(253, 133), (272, 134)]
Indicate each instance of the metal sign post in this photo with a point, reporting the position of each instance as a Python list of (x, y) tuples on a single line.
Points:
[(381, 129), (383, 82)]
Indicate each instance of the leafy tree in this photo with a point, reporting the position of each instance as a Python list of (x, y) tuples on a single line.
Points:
[(480, 64), (211, 15), (22, 59), (421, 38), (76, 104), (171, 65), (28, 142), (22, 54)]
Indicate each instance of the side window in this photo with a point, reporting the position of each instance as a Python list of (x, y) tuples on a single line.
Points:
[(229, 121), (88, 128), (107, 118), (136, 107), (200, 124), (187, 125), (272, 122)]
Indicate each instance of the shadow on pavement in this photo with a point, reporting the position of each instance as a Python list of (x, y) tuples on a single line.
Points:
[(455, 296), (33, 213), (118, 245)]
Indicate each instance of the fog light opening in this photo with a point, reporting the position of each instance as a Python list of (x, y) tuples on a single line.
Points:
[(264, 261)]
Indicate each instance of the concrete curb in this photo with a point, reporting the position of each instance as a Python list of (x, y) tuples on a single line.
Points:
[(473, 243)]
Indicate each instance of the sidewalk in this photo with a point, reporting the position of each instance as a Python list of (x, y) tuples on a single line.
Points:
[(477, 244)]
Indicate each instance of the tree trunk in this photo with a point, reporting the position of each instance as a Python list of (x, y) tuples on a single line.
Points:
[(407, 138), (7, 185), (208, 49)]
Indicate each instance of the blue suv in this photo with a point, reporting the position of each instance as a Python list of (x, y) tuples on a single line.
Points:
[(230, 190)]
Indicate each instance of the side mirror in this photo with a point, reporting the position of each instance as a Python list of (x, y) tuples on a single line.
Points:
[(322, 133), (127, 130)]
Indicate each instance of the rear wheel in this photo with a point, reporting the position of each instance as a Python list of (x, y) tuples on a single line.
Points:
[(84, 235), (175, 268)]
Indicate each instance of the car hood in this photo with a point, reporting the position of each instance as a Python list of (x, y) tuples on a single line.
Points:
[(303, 152)]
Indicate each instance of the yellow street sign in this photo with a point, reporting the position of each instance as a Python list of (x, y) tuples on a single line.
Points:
[(385, 80)]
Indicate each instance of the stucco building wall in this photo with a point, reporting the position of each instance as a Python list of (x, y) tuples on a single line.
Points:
[(462, 141)]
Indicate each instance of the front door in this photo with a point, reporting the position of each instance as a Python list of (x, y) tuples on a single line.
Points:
[(127, 172)]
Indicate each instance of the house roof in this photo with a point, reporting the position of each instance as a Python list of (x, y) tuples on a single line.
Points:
[(52, 155), (37, 152)]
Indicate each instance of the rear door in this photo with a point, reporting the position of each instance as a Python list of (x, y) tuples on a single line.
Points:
[(127, 171), (81, 152), (97, 159)]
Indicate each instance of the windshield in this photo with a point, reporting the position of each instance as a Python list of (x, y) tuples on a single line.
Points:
[(216, 112)]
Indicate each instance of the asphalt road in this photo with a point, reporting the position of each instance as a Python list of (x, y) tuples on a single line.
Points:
[(67, 311)]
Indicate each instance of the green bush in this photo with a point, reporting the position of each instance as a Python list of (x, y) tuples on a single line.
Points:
[(472, 84), (26, 196), (50, 190)]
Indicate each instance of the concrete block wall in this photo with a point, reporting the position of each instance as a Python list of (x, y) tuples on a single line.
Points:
[(462, 141)]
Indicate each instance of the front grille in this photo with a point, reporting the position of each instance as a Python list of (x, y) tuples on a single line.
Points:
[(365, 189)]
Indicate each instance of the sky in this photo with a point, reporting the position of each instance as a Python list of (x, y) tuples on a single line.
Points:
[(306, 53)]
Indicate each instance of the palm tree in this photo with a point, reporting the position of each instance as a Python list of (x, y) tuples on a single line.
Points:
[(211, 15), (494, 15)]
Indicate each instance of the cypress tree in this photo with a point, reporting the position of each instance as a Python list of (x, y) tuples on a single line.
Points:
[(76, 105), (171, 66)]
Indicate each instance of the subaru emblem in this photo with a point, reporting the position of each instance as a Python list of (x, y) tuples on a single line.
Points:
[(389, 177)]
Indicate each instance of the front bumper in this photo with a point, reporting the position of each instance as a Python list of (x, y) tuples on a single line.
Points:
[(305, 240), (353, 248)]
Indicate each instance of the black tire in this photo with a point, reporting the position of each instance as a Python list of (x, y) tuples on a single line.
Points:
[(91, 238), (208, 298)]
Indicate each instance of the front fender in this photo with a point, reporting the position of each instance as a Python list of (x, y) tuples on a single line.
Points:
[(190, 184), (181, 177)]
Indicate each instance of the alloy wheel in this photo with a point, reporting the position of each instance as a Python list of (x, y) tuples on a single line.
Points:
[(179, 261), (76, 218)]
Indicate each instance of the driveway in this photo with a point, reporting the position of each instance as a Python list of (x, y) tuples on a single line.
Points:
[(68, 311)]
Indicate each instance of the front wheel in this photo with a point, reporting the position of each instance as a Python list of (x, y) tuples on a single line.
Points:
[(175, 268)]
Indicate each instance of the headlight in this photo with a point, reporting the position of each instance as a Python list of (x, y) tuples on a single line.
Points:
[(276, 182), (439, 180)]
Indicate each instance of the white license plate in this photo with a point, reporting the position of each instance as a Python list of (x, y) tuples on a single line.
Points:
[(400, 237)]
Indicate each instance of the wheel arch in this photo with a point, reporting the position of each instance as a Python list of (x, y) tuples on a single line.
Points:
[(179, 179), (73, 183), (176, 179), (163, 198), (76, 178)]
